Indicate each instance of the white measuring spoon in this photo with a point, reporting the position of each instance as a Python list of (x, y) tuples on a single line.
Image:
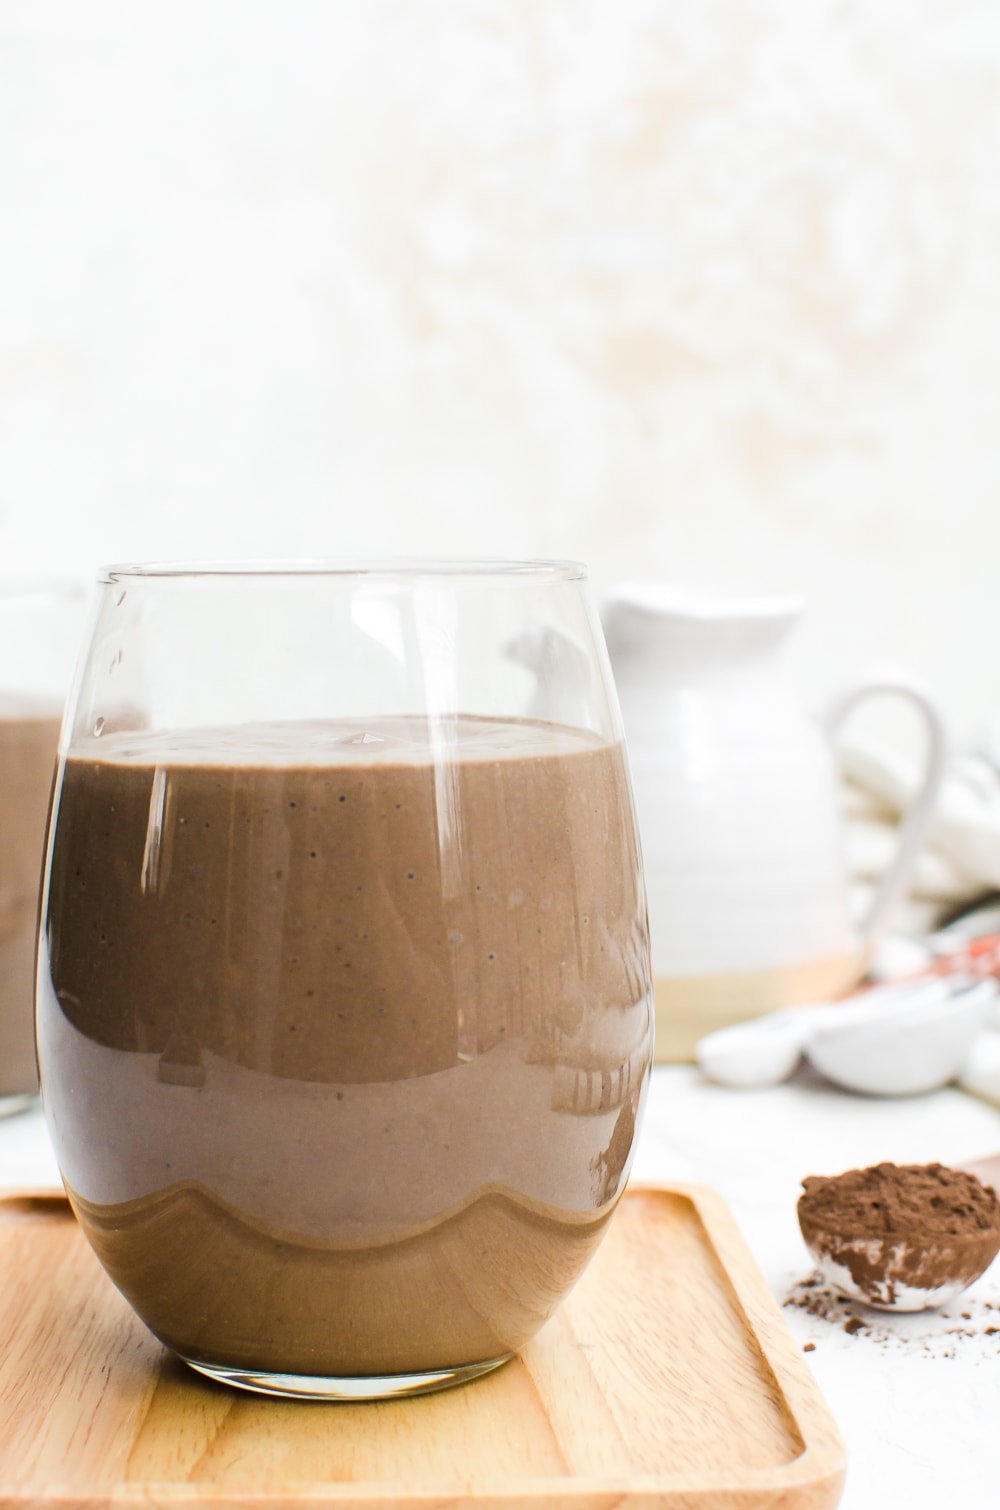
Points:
[(896, 1039)]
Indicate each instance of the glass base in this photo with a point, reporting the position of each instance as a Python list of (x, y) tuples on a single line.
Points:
[(20, 1101), (364, 1387)]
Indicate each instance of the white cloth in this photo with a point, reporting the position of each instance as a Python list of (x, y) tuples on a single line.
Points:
[(959, 863), (960, 860)]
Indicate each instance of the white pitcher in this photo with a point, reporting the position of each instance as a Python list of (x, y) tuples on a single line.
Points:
[(739, 811)]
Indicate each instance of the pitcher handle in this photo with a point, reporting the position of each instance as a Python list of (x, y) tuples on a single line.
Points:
[(917, 817)]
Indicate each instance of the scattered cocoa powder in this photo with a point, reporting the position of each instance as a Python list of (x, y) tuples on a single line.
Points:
[(924, 1334)]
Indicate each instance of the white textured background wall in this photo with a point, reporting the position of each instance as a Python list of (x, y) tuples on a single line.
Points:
[(707, 290)]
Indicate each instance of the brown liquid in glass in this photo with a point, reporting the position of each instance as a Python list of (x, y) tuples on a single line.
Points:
[(342, 1048)]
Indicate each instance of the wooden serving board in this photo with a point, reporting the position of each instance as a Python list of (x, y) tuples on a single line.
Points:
[(667, 1378)]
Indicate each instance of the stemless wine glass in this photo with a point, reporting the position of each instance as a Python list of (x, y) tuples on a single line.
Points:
[(344, 997)]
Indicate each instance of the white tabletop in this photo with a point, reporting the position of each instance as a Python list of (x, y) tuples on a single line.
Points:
[(916, 1398)]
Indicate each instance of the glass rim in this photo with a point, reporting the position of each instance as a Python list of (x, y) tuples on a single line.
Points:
[(402, 568)]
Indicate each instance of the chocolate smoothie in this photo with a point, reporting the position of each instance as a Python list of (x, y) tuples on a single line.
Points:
[(342, 1048), (28, 739)]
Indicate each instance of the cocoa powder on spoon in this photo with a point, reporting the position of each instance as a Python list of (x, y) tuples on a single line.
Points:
[(900, 1236)]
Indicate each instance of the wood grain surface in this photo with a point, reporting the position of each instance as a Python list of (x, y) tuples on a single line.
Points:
[(668, 1378)]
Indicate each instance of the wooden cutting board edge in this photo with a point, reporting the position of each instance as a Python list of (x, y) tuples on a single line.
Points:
[(817, 1475)]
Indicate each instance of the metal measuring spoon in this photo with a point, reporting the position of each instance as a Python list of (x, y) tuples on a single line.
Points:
[(907, 1267)]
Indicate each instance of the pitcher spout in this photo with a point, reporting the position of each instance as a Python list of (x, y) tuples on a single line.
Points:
[(648, 624)]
